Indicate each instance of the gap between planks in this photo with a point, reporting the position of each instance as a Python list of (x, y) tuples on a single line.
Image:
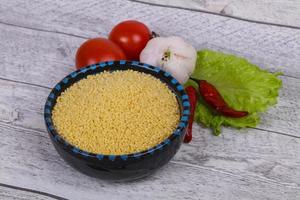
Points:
[(43, 30), (52, 196)]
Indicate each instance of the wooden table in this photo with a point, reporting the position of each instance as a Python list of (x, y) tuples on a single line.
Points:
[(38, 40)]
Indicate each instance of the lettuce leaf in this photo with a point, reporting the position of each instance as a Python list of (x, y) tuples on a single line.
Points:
[(243, 85)]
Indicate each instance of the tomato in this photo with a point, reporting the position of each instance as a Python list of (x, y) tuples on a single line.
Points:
[(98, 50), (132, 36)]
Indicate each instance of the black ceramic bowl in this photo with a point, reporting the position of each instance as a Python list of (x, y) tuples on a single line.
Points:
[(120, 167)]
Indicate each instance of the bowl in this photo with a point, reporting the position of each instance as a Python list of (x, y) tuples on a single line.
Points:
[(127, 166)]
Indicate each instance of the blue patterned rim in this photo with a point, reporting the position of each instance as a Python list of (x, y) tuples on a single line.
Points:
[(182, 98)]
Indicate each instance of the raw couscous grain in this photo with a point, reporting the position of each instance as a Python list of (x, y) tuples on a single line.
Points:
[(115, 113)]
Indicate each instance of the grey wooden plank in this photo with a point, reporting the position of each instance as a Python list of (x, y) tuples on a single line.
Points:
[(30, 57), (45, 58), (22, 105), (251, 165), (11, 193), (250, 152), (29, 159), (270, 11), (271, 47)]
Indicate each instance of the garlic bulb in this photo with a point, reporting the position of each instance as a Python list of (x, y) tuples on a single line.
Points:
[(171, 54)]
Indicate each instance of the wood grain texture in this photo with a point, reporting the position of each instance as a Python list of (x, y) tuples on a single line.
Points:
[(38, 43), (35, 164), (284, 12), (258, 158), (271, 47)]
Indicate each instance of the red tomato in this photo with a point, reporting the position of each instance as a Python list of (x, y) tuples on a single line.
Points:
[(132, 36), (98, 50)]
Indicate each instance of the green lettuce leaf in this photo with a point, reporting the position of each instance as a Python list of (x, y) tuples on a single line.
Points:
[(243, 85)]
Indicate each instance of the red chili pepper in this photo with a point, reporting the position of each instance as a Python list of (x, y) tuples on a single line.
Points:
[(192, 93), (229, 112), (213, 98)]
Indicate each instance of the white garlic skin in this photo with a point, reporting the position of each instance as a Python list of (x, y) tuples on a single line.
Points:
[(171, 54)]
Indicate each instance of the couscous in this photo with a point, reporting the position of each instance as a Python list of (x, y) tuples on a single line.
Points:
[(115, 113)]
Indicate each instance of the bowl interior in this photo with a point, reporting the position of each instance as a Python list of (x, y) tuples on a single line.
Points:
[(76, 76)]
